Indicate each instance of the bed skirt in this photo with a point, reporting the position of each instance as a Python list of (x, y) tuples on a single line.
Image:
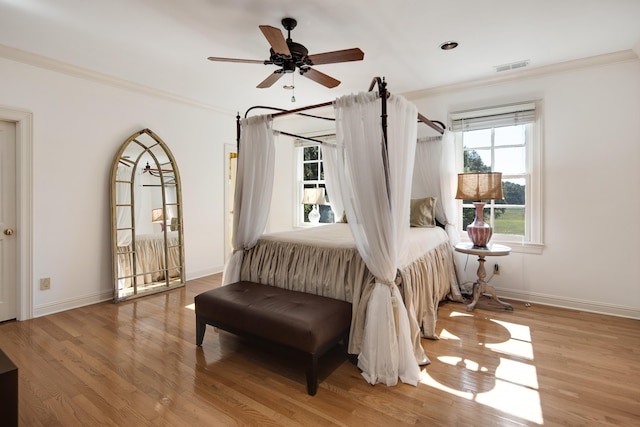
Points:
[(151, 266), (342, 274)]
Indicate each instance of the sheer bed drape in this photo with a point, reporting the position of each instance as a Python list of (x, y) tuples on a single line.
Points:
[(435, 176), (254, 184), (377, 208)]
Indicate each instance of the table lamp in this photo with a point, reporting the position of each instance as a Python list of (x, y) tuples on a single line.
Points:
[(157, 215), (315, 197), (479, 186)]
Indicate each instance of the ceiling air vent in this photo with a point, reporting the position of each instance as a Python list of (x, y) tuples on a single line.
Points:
[(512, 66)]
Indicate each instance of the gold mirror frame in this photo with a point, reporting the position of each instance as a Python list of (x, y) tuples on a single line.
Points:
[(146, 196)]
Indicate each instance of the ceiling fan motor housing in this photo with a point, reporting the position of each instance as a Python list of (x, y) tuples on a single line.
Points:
[(299, 57)]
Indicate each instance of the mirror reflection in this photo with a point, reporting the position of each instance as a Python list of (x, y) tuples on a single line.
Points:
[(148, 253)]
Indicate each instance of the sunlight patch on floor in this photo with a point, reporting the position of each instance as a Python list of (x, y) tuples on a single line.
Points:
[(191, 306), (446, 335), (518, 332), (515, 385), (467, 364), (459, 314), (513, 348), (426, 379), (514, 399), (518, 373)]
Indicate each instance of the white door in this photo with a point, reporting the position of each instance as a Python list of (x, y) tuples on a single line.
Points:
[(8, 241)]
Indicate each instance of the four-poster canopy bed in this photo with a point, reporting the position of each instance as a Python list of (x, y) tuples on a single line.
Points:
[(393, 275)]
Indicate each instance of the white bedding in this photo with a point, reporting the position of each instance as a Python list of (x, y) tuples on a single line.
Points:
[(421, 240)]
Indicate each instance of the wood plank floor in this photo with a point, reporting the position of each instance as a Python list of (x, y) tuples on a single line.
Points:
[(136, 364)]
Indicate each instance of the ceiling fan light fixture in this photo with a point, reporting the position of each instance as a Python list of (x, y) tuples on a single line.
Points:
[(449, 45)]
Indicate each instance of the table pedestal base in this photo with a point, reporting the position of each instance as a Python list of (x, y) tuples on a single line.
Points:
[(481, 287)]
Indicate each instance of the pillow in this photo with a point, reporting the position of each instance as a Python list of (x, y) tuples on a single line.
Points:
[(423, 212), (343, 218)]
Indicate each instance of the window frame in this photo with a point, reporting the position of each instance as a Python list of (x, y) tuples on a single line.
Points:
[(299, 146), (532, 241)]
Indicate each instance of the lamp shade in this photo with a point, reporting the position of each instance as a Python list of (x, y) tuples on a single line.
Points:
[(157, 215), (479, 186), (313, 196)]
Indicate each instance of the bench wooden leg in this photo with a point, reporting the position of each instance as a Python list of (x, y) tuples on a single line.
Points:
[(201, 327), (312, 375)]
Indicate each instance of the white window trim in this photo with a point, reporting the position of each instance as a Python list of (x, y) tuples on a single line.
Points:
[(533, 187), (298, 213)]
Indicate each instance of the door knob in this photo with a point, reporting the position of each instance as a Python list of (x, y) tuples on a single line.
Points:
[(8, 231)]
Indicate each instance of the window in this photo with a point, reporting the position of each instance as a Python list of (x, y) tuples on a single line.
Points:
[(311, 175), (504, 139)]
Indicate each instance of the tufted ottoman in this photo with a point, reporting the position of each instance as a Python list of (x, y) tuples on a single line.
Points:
[(304, 323)]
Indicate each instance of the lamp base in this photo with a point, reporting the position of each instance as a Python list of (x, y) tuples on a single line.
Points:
[(314, 215), (479, 231)]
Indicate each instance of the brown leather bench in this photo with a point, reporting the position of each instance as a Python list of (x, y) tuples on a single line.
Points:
[(305, 323)]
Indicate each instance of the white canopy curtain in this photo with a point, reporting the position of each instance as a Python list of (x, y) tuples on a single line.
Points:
[(254, 185), (378, 216), (435, 175), (329, 157)]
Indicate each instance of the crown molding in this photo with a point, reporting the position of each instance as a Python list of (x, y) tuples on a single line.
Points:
[(528, 73), (51, 64)]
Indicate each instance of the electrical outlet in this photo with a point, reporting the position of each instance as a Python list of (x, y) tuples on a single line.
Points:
[(496, 269), (45, 283)]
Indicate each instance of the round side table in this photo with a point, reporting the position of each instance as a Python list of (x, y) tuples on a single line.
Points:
[(481, 287)]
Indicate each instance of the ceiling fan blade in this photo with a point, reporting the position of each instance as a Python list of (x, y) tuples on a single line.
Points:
[(276, 39), (321, 78), (247, 61), (269, 81), (346, 55)]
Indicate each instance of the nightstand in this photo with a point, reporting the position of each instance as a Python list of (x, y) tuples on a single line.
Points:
[(481, 287)]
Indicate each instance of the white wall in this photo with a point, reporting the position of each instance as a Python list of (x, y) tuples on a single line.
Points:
[(78, 126), (591, 186)]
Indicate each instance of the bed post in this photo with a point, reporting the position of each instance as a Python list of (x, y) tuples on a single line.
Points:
[(238, 132), (382, 92)]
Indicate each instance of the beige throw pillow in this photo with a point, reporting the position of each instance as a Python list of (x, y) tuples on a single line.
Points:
[(423, 212)]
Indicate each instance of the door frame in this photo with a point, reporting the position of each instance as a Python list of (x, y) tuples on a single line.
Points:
[(228, 150), (24, 208)]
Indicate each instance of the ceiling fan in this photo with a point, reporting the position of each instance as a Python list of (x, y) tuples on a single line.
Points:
[(289, 55)]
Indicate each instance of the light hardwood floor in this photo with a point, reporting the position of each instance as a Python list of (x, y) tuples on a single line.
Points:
[(136, 363)]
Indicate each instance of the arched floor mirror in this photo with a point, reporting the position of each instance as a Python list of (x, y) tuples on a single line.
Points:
[(146, 218)]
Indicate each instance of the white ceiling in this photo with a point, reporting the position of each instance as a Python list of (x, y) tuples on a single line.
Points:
[(164, 44)]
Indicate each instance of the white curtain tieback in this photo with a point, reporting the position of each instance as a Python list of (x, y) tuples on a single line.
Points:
[(389, 283), (394, 307)]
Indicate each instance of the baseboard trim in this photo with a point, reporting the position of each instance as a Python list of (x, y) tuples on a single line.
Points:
[(192, 275), (554, 301), (69, 304), (570, 303)]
